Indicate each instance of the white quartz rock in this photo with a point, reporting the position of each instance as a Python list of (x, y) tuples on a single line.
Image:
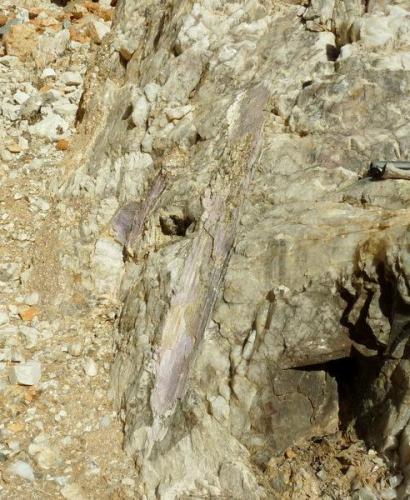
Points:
[(4, 317), (28, 373), (20, 97), (97, 30), (141, 109), (47, 72), (22, 469), (72, 78), (90, 367), (52, 127)]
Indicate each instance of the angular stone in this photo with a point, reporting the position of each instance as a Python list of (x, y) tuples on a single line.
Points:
[(48, 72), (4, 318), (27, 314), (73, 491), (65, 109), (10, 111), (50, 46), (51, 127), (364, 494), (97, 30), (75, 349), (20, 97), (22, 469), (90, 367), (72, 78), (28, 373), (47, 458), (108, 262)]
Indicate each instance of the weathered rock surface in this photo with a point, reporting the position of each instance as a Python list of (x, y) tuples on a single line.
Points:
[(220, 170), (56, 422)]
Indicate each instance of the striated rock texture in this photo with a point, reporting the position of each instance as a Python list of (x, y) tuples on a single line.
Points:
[(220, 169)]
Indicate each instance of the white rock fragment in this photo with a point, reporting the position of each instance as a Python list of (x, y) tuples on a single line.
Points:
[(90, 367), (51, 127), (9, 271), (11, 355), (105, 421), (389, 494), (61, 480), (60, 415), (72, 491), (4, 317), (178, 112), (52, 96), (141, 109), (50, 46), (32, 299), (35, 164), (9, 330), (72, 78), (47, 72), (128, 481), (75, 349), (10, 61), (38, 443), (6, 155), (220, 408), (21, 97), (376, 30), (22, 469), (28, 373), (65, 108), (30, 335), (109, 265), (14, 445), (248, 348), (146, 144), (364, 493), (97, 30), (10, 111), (39, 203), (151, 91), (47, 458), (227, 53), (31, 106), (23, 143)]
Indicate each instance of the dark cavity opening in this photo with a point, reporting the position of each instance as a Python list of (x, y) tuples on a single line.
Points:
[(123, 61), (60, 3), (173, 225), (354, 376), (128, 112), (332, 52)]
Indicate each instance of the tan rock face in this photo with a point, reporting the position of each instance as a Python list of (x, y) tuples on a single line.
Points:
[(19, 41), (233, 221)]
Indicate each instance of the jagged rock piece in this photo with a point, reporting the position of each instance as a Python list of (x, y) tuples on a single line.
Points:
[(28, 373)]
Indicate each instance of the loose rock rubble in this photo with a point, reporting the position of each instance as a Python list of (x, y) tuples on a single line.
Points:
[(333, 467), (59, 437)]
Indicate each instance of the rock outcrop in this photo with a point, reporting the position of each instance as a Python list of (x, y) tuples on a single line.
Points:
[(221, 172)]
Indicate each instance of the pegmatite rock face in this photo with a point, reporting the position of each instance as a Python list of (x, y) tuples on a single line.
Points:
[(221, 166)]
